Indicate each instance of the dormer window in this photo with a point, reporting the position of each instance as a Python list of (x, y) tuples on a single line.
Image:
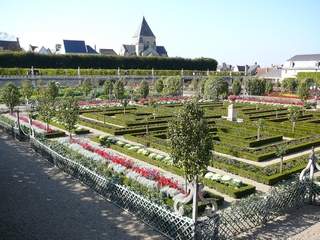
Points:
[(292, 64)]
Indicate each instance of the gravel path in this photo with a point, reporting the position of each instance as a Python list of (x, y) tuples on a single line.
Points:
[(38, 201)]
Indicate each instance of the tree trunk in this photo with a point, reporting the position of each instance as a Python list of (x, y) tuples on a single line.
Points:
[(293, 126), (195, 201), (281, 164)]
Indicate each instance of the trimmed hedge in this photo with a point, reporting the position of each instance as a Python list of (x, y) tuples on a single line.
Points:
[(26, 60)]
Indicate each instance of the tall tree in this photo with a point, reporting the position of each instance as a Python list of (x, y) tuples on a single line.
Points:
[(119, 89), (26, 90), (293, 116), (53, 90), (144, 89), (215, 87), (10, 96), (159, 86), (236, 87), (191, 144), (108, 88), (69, 113)]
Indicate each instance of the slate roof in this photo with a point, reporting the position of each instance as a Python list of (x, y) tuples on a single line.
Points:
[(305, 57), (74, 46), (91, 50), (10, 45), (241, 68), (161, 50), (107, 51), (129, 48), (144, 30)]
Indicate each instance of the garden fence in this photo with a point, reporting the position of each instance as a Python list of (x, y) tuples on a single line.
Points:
[(226, 224)]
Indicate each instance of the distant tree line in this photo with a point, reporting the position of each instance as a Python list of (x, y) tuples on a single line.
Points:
[(26, 60)]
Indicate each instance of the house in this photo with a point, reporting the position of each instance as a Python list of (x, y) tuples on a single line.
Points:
[(9, 43), (273, 74), (240, 69), (77, 47), (300, 63), (252, 69), (224, 67), (107, 52), (144, 43)]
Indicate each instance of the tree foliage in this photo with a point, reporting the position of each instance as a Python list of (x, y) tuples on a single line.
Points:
[(108, 88), (144, 89), (119, 89), (26, 89), (159, 85), (68, 110), (215, 87), (269, 87), (293, 115), (255, 86), (236, 87), (10, 96), (173, 85), (303, 90), (46, 107), (289, 85), (86, 87), (190, 140), (53, 90)]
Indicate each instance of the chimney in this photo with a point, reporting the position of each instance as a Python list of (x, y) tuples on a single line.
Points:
[(95, 47)]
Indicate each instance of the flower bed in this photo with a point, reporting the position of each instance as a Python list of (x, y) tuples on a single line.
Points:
[(149, 177), (269, 100)]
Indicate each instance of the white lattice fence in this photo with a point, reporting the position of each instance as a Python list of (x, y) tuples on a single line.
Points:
[(166, 222)]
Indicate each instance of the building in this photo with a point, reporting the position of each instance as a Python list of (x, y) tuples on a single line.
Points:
[(224, 67), (45, 51), (240, 69), (9, 43), (272, 74), (144, 43), (300, 63), (107, 52), (77, 47)]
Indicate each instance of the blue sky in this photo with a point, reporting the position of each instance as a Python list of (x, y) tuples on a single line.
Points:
[(233, 31)]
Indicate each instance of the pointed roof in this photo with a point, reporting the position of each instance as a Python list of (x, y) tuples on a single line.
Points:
[(144, 30)]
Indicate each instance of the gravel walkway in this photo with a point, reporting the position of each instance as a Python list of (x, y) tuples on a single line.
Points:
[(38, 201)]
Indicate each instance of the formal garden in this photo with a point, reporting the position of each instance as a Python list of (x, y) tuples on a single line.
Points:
[(167, 148)]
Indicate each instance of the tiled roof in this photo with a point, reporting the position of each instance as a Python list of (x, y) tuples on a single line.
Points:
[(10, 45), (144, 30), (74, 46), (305, 57)]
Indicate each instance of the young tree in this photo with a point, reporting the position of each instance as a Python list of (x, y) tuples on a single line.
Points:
[(108, 88), (119, 89), (173, 85), (144, 89), (215, 87), (236, 87), (26, 90), (10, 96), (303, 91), (46, 108), (293, 116), (69, 113), (86, 87), (52, 90), (125, 104), (269, 87), (191, 144), (280, 152), (159, 86)]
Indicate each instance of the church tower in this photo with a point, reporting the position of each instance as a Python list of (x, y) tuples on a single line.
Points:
[(144, 40)]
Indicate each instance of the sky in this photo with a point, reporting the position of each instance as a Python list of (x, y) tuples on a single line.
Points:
[(233, 31)]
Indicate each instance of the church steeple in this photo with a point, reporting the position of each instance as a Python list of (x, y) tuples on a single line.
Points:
[(144, 30)]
